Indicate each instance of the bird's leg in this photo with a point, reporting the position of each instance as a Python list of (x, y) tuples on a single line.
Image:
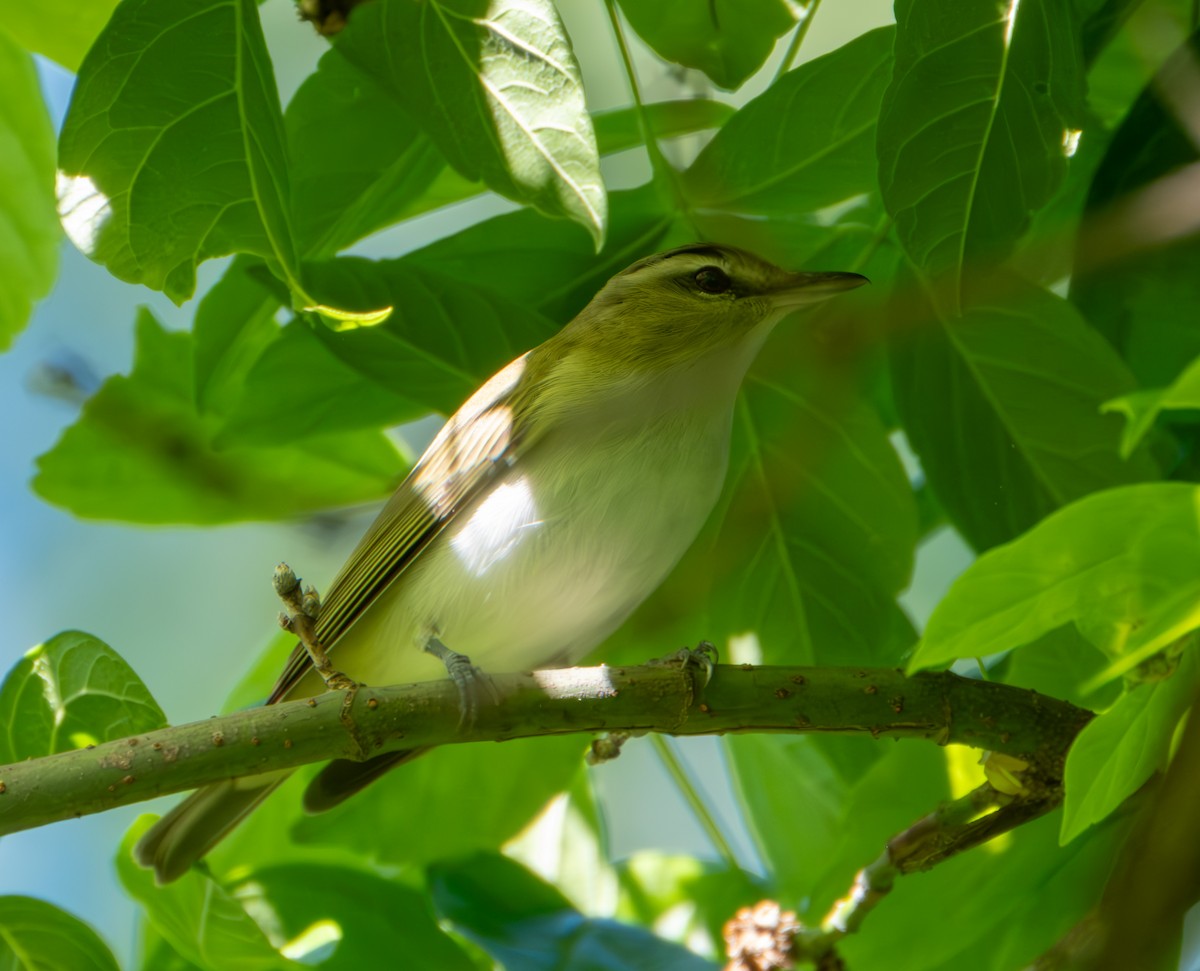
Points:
[(303, 608), (468, 679), (703, 657)]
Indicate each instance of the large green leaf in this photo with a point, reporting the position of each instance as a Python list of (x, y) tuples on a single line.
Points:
[(726, 39), (1006, 434), (495, 85), (69, 692), (1123, 565), (173, 150), (1144, 301), (417, 813), (28, 228), (795, 149), (549, 266), (442, 339), (37, 936), (525, 923), (372, 916), (1120, 749), (139, 453), (200, 920), (972, 129)]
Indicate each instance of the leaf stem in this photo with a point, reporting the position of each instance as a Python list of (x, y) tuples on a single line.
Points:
[(695, 801), (789, 59)]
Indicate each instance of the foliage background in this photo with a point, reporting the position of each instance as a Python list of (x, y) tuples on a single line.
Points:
[(110, 579)]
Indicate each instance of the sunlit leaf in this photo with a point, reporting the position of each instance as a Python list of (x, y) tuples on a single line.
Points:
[(496, 86), (70, 692), (29, 233), (1121, 748), (1123, 565), (135, 193)]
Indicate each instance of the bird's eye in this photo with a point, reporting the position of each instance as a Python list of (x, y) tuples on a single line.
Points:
[(711, 279)]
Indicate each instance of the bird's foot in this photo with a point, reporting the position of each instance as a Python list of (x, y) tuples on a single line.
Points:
[(474, 686)]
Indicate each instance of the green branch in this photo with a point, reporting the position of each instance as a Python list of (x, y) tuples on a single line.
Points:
[(658, 697)]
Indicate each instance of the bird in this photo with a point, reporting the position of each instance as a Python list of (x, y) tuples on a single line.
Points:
[(548, 507)]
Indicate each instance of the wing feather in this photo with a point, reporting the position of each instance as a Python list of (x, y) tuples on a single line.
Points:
[(479, 441)]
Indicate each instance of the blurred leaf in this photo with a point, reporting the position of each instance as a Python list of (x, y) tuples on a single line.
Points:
[(37, 936), (525, 923), (1024, 894), (298, 389), (172, 151), (681, 898), (1145, 301), (62, 30), (972, 127), (908, 782), (417, 813), (1004, 435), (70, 692), (495, 85), (1141, 408), (549, 266), (817, 531), (1058, 664), (793, 798), (139, 453), (795, 149), (726, 39), (157, 954), (197, 917), (1120, 749), (443, 339), (29, 232), (234, 323), (620, 129), (372, 916), (1123, 565)]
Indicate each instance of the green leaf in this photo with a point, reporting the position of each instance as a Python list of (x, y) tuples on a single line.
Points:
[(299, 389), (972, 128), (495, 85), (28, 228), (139, 453), (1141, 407), (620, 129), (1121, 748), (172, 151), (1058, 664), (550, 266), (1005, 436), (525, 923), (817, 532), (70, 692), (37, 936), (360, 161), (196, 916), (514, 780), (794, 149), (367, 915), (726, 39), (442, 340), (62, 30), (233, 325), (1123, 565)]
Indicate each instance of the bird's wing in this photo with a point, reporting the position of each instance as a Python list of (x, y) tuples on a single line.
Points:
[(474, 447)]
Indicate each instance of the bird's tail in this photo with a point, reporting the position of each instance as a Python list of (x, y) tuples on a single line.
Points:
[(197, 824)]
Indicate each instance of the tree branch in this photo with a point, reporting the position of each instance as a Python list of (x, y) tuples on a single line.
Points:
[(657, 697)]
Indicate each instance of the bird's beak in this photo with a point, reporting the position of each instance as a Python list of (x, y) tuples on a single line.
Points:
[(806, 289)]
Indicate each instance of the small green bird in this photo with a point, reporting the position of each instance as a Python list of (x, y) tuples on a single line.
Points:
[(549, 506)]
